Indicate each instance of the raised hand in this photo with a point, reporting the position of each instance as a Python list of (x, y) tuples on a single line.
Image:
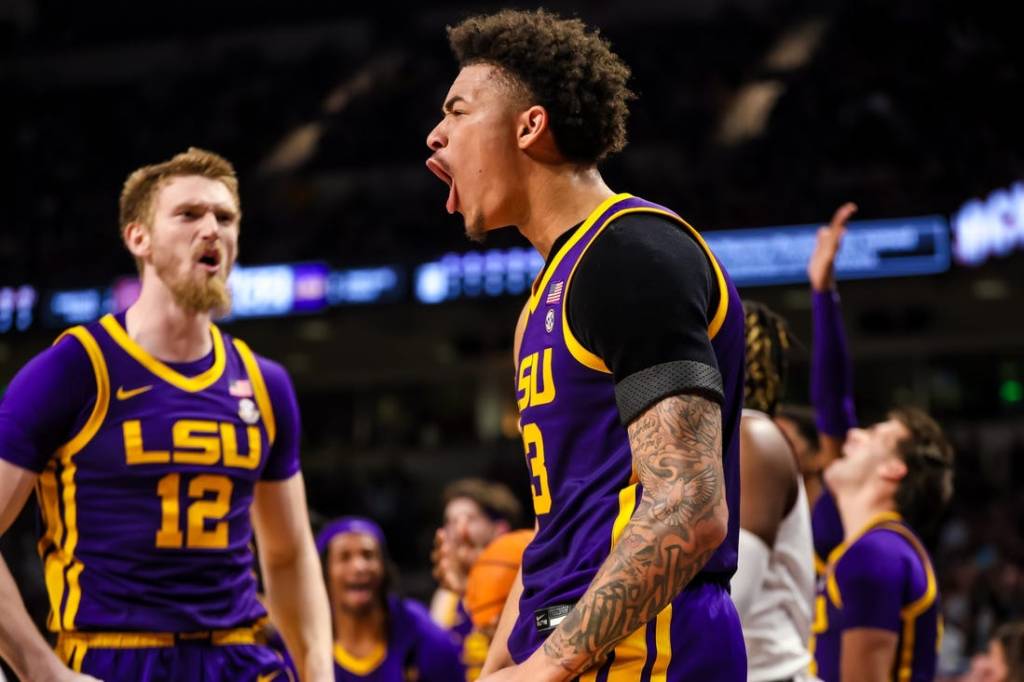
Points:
[(453, 555), (821, 267)]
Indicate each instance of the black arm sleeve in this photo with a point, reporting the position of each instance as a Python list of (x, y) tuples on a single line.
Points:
[(640, 300)]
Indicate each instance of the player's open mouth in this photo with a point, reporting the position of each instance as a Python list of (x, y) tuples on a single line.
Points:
[(439, 170), (360, 589), (210, 260)]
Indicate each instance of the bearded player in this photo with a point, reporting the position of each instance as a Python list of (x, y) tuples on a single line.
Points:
[(629, 369), (156, 445)]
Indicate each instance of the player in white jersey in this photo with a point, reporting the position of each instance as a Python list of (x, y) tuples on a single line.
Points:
[(773, 588)]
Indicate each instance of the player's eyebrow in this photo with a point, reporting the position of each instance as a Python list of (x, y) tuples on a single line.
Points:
[(452, 101), (220, 209)]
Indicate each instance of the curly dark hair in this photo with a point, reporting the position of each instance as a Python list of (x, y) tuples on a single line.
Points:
[(767, 341), (565, 68)]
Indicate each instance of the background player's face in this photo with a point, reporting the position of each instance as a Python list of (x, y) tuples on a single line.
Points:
[(355, 571), (475, 150), (194, 241), (464, 519), (866, 452)]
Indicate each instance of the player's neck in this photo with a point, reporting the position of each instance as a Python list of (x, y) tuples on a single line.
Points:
[(858, 508), (165, 330), (558, 197), (358, 633)]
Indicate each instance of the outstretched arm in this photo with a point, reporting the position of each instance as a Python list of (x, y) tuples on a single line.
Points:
[(680, 521), (831, 365)]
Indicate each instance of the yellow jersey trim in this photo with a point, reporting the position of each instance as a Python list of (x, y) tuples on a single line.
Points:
[(194, 384), (99, 410), (910, 613), (630, 653), (589, 359), (49, 544), (69, 642), (540, 284), (71, 568), (259, 388), (819, 565), (831, 586), (663, 644), (363, 665)]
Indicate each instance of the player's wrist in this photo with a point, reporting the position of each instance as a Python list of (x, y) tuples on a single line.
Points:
[(545, 668), (823, 286), (44, 665)]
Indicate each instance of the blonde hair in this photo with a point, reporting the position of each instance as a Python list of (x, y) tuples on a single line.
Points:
[(140, 189)]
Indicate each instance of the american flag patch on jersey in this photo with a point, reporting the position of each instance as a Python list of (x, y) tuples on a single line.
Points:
[(240, 388), (555, 292)]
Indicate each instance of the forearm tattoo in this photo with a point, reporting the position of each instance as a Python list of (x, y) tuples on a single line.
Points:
[(677, 451)]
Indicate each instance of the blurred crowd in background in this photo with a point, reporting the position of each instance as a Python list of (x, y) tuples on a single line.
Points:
[(749, 113)]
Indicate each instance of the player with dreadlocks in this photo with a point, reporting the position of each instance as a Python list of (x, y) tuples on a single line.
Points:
[(774, 585)]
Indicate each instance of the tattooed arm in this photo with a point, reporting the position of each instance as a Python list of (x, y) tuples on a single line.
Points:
[(679, 523)]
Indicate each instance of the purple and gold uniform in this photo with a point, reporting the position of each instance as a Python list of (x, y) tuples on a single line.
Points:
[(585, 488), (471, 642), (147, 473), (881, 578), (417, 651), (826, 527)]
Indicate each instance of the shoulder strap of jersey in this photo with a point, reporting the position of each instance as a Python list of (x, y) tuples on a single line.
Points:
[(922, 603), (590, 359), (259, 387), (99, 410)]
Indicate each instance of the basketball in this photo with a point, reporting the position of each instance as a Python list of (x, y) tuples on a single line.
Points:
[(492, 575)]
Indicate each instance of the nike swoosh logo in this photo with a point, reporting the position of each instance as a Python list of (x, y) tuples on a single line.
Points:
[(124, 395), (268, 677)]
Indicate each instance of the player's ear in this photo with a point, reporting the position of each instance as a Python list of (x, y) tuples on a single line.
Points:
[(531, 126), (893, 469), (137, 239)]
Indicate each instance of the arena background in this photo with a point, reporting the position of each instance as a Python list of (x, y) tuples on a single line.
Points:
[(751, 113)]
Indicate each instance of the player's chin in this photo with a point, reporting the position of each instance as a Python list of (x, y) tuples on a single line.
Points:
[(477, 227), (358, 600)]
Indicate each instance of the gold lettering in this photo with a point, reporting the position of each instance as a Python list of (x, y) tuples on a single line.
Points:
[(525, 370), (197, 441), (203, 510), (195, 434), (168, 490), (548, 394), (532, 395), (134, 450), (231, 456), (533, 443)]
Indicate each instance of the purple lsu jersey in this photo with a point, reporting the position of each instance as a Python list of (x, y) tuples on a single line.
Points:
[(417, 651), (146, 510), (883, 579), (472, 643), (826, 528), (584, 486)]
